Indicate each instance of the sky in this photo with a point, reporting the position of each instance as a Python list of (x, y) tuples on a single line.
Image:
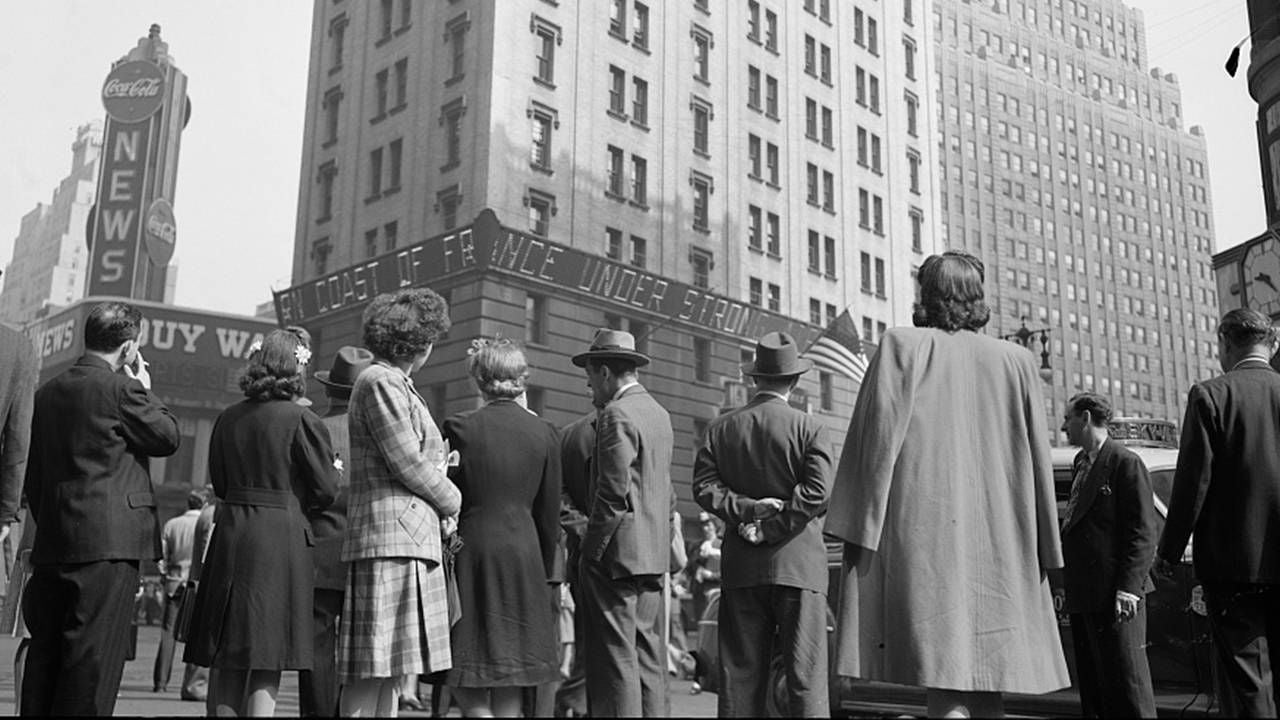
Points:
[(246, 60)]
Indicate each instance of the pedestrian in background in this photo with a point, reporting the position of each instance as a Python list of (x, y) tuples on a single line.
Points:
[(765, 470), (944, 499), (197, 687), (509, 476), (89, 490), (270, 462), (705, 563), (626, 549), (1226, 490), (19, 371), (318, 687), (177, 541), (395, 614), (1108, 544)]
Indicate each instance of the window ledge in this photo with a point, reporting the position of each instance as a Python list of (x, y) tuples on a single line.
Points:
[(382, 41), (544, 83), (391, 191), (618, 35), (329, 143), (373, 198), (542, 169), (454, 80), (640, 125), (642, 48), (829, 210), (377, 118), (755, 249), (702, 80), (449, 166), (773, 254), (702, 230), (773, 185), (639, 204), (702, 153), (323, 219), (620, 117), (398, 108), (772, 48), (335, 70), (828, 145), (829, 276), (615, 196), (402, 30)]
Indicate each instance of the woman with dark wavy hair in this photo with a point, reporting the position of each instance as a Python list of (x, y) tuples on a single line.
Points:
[(270, 461), (395, 616), (944, 498), (509, 476)]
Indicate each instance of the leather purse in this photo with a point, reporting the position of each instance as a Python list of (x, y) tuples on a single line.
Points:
[(185, 596)]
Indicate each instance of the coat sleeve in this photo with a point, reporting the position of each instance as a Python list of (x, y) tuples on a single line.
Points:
[(812, 492), (312, 452), (391, 427), (147, 425), (575, 469), (1191, 478), (1136, 521), (617, 446), (15, 432), (1048, 534), (881, 416), (546, 507), (710, 492)]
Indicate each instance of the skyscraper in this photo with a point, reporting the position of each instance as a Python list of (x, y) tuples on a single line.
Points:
[(50, 252), (1065, 166), (769, 156)]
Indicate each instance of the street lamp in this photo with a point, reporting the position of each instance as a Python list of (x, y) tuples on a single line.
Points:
[(1024, 335)]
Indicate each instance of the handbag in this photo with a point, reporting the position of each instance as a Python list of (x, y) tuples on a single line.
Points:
[(185, 596), (448, 557)]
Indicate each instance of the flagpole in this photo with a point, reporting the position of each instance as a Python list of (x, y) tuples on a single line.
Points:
[(666, 322)]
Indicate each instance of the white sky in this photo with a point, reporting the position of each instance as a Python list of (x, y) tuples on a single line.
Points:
[(237, 190)]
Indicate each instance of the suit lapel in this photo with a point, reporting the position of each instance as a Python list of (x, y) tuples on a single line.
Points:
[(1093, 482)]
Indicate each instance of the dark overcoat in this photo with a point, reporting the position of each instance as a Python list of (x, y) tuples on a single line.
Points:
[(268, 463), (19, 370)]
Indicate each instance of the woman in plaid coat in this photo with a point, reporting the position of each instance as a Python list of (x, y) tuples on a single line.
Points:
[(395, 615)]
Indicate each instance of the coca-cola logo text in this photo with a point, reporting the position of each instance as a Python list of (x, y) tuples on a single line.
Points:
[(142, 87), (133, 91)]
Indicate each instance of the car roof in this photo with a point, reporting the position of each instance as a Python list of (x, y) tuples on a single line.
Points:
[(1155, 458)]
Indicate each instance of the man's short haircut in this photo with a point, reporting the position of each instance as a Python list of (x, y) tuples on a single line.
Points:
[(617, 366), (1098, 407), (110, 325), (1244, 327), (197, 498)]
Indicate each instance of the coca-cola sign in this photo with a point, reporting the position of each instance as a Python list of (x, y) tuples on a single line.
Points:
[(160, 232), (133, 91)]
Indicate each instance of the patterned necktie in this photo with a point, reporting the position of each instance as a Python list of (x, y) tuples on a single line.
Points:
[(1083, 465)]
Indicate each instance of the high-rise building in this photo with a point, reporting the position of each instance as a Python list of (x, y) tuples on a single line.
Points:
[(1066, 168), (50, 252), (767, 160)]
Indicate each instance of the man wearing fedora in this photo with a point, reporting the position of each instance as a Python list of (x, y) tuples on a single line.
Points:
[(318, 687), (765, 470), (626, 548)]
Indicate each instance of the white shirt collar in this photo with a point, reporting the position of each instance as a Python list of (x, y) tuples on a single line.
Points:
[(774, 393), (625, 386)]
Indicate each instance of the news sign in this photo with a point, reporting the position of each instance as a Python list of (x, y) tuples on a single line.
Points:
[(115, 240)]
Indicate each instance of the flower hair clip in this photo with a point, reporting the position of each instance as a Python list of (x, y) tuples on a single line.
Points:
[(255, 347), (302, 354), (477, 344)]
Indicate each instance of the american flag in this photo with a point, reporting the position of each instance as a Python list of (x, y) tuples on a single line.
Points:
[(839, 350)]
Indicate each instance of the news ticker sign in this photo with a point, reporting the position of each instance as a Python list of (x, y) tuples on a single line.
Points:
[(486, 245), (195, 357), (127, 225)]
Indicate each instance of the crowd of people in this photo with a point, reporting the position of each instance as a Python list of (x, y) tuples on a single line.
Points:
[(528, 569)]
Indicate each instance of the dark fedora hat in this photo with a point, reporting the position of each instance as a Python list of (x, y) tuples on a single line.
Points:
[(777, 355), (612, 344), (349, 362)]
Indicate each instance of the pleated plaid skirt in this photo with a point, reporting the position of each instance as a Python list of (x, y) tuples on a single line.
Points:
[(395, 620)]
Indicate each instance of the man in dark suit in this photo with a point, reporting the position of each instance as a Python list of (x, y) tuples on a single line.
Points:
[(626, 548), (1108, 543), (318, 687), (18, 372), (89, 488), (577, 444), (1227, 490), (765, 470)]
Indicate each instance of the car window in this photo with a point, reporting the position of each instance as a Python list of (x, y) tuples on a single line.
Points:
[(1162, 485)]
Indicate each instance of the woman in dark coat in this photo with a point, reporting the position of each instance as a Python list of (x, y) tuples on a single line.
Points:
[(509, 475), (269, 460)]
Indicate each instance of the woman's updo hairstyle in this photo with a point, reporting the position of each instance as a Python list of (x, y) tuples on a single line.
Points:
[(401, 325), (277, 366), (951, 295), (498, 367)]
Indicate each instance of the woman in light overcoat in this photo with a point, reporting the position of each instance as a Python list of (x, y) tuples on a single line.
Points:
[(944, 498), (395, 613)]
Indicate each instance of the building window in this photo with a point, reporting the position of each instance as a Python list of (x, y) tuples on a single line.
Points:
[(913, 109), (873, 93), (826, 392), (909, 52), (908, 18), (815, 252), (370, 242), (771, 30), (875, 154), (701, 201), (618, 19), (877, 214), (541, 207), (860, 86), (451, 118), (391, 235), (859, 25), (811, 118), (639, 180), (880, 293), (755, 229), (913, 171), (754, 156), (755, 291), (447, 202), (824, 64), (402, 81), (394, 155), (613, 243), (701, 126), (866, 272), (615, 175), (873, 39), (773, 234), (862, 146), (828, 191), (535, 319), (617, 91), (337, 35), (320, 251), (639, 251), (332, 102), (542, 120), (811, 183), (406, 15), (864, 208), (702, 55), (548, 35), (639, 101), (753, 21), (640, 29), (829, 245), (771, 96), (917, 229), (702, 359), (828, 127), (771, 162), (815, 311), (753, 87), (375, 174), (456, 33), (810, 55), (775, 297), (380, 80), (384, 20), (702, 265)]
